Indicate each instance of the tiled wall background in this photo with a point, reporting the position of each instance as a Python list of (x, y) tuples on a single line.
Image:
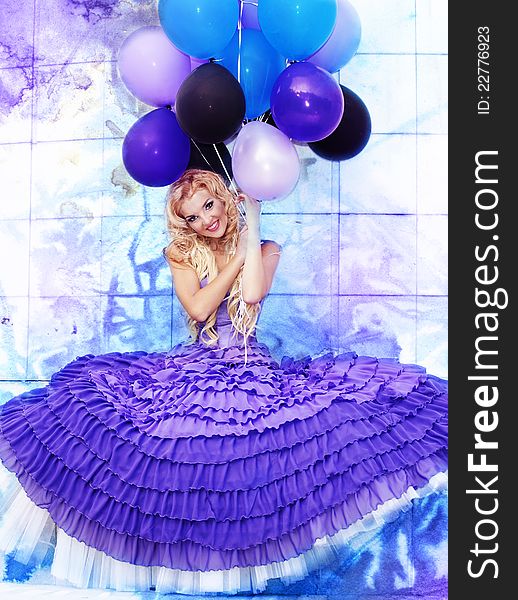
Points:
[(364, 265)]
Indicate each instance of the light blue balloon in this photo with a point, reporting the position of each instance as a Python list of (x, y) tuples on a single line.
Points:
[(260, 65), (200, 28), (297, 28)]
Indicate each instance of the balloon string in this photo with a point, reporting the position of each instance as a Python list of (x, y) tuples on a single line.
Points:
[(224, 168), (201, 153), (239, 207), (263, 118), (242, 304), (239, 33)]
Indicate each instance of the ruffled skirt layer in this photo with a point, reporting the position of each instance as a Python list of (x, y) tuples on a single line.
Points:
[(192, 471)]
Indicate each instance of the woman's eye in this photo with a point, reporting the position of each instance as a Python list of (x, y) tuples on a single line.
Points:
[(209, 204), (191, 219)]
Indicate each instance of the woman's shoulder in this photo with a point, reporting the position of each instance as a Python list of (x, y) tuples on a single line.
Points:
[(270, 247), (174, 256)]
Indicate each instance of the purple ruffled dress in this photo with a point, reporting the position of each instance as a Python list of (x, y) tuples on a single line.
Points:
[(191, 471)]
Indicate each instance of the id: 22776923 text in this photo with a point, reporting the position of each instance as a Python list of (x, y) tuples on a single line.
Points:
[(483, 70)]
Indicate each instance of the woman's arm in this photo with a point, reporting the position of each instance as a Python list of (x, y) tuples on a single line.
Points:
[(260, 262), (201, 302), (261, 259)]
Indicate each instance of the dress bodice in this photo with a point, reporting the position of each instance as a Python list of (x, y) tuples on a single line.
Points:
[(226, 333)]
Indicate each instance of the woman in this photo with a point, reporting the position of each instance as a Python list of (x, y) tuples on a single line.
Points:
[(210, 254), (211, 467)]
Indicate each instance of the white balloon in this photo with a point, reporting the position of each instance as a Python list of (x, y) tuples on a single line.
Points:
[(265, 163)]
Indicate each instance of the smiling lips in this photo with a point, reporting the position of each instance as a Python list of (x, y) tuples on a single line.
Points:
[(214, 226)]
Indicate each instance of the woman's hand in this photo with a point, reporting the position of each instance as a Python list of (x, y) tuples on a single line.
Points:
[(252, 207)]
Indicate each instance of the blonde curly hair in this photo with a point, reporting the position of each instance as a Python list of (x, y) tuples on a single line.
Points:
[(197, 251)]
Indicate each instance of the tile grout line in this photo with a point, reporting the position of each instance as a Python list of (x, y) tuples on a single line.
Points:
[(96, 62), (269, 214), (119, 138), (31, 164), (416, 184), (338, 258), (101, 233), (410, 553), (280, 294)]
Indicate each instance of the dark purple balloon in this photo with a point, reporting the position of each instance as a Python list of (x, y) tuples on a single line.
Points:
[(351, 135), (210, 104), (306, 102), (155, 150)]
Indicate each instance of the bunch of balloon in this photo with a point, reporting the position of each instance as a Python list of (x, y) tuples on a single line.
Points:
[(163, 66), (214, 70), (307, 102), (283, 32)]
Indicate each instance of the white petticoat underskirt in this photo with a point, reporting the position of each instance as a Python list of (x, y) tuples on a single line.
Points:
[(29, 532)]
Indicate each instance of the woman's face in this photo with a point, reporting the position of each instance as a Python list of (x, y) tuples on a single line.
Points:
[(205, 214)]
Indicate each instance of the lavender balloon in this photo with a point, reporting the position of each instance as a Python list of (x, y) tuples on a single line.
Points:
[(343, 42), (151, 67), (307, 103), (265, 163), (155, 150)]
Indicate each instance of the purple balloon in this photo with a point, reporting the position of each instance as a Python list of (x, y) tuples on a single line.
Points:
[(151, 67), (343, 42), (155, 150), (306, 102), (265, 163), (249, 18)]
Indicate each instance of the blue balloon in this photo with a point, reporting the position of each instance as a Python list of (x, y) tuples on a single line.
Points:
[(200, 28), (297, 28), (259, 66)]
